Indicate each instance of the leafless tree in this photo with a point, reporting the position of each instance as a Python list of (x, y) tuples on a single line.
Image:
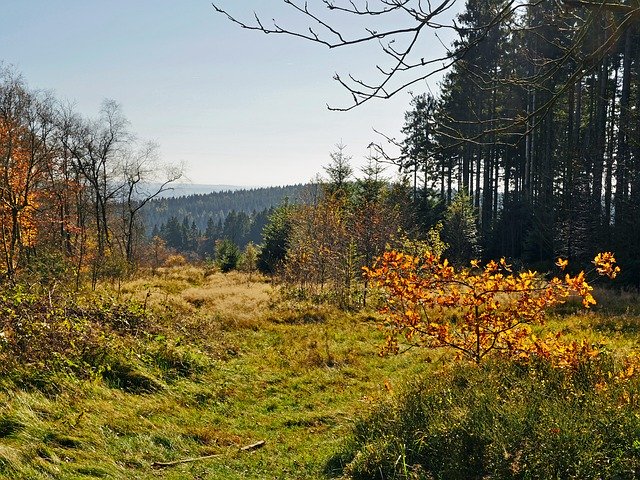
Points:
[(404, 66), (144, 177)]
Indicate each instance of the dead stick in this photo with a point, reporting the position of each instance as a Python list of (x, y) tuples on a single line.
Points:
[(253, 446), (247, 448)]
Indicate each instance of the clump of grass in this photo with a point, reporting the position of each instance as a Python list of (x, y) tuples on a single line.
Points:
[(617, 301), (176, 360), (298, 313), (186, 273), (93, 472), (10, 460), (9, 426), (626, 325), (129, 378), (501, 420), (61, 440)]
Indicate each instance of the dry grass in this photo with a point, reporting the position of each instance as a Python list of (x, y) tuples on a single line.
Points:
[(192, 301), (231, 296)]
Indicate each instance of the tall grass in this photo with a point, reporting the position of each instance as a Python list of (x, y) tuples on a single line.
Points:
[(187, 363), (177, 365), (502, 420)]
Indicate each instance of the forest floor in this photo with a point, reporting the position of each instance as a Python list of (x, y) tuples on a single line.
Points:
[(230, 363)]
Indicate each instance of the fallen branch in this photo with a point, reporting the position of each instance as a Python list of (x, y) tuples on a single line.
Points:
[(246, 448), (253, 446)]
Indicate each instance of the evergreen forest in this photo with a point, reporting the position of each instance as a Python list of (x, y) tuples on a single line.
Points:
[(538, 124), (192, 224)]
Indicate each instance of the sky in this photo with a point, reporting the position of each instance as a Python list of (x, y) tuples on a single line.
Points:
[(236, 107)]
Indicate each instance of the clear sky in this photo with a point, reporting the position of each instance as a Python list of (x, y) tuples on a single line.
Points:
[(237, 107)]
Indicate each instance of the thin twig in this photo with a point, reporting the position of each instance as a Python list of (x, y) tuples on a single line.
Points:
[(253, 446), (184, 460), (246, 448)]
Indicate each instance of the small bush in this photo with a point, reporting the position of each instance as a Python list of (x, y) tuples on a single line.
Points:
[(175, 261), (48, 269), (130, 317), (502, 420), (227, 255), (43, 334)]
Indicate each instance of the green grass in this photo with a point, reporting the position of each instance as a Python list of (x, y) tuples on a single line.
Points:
[(221, 365), (501, 420), (183, 365)]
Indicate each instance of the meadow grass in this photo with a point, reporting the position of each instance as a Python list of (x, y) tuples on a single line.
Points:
[(193, 364), (508, 419), (224, 363)]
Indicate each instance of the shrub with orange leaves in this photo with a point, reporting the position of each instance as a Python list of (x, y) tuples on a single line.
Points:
[(479, 310)]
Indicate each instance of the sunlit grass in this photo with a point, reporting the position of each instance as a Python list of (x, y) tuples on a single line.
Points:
[(224, 362), (231, 364)]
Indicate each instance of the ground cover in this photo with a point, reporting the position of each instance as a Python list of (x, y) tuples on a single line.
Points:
[(194, 364), (224, 363)]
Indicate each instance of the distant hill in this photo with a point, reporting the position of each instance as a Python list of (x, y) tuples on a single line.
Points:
[(186, 189), (200, 207)]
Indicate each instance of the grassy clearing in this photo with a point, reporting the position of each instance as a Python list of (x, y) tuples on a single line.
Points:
[(223, 364)]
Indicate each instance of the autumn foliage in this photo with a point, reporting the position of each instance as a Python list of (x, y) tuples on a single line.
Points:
[(479, 310), (20, 170), (70, 187)]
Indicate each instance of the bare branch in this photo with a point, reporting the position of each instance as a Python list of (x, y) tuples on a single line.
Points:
[(408, 67)]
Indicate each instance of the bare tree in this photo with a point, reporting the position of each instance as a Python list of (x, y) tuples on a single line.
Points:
[(404, 66), (97, 147), (119, 177), (144, 178)]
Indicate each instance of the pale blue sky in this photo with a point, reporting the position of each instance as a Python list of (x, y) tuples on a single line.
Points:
[(237, 107)]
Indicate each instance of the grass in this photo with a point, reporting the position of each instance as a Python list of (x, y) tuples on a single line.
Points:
[(501, 420), (223, 364)]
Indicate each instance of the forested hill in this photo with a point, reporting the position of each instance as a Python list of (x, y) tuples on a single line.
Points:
[(199, 209)]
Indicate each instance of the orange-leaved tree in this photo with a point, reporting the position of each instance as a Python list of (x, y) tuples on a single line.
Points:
[(20, 168), (477, 310)]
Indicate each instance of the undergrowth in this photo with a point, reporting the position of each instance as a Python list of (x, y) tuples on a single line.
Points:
[(500, 420), (181, 365)]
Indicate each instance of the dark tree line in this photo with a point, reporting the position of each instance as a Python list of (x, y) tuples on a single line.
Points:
[(239, 228), (215, 206)]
